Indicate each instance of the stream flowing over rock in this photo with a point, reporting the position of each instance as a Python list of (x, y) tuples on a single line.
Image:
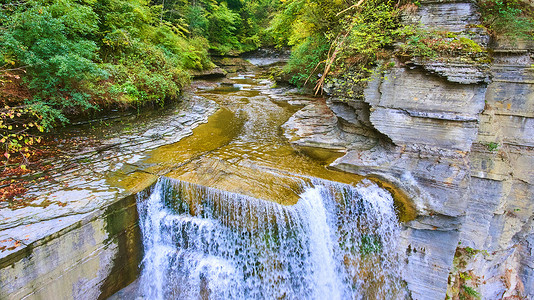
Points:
[(420, 187), (201, 242)]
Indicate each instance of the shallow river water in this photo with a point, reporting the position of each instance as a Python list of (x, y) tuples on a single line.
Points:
[(243, 214)]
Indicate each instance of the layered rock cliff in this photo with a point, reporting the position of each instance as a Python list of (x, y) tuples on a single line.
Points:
[(457, 137)]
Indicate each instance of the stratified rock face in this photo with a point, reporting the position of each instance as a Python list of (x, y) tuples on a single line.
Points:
[(413, 108), (446, 15), (499, 217), (454, 16), (90, 259), (458, 138)]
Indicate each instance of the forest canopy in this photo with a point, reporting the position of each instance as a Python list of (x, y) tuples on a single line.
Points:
[(85, 54)]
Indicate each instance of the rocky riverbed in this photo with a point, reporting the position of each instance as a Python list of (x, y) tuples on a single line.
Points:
[(453, 137)]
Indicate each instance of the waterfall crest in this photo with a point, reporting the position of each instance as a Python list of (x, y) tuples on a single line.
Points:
[(337, 242)]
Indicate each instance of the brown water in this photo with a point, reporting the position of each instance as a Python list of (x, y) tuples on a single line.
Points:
[(242, 147), (242, 150)]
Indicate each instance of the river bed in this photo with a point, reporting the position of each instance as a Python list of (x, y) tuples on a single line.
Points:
[(227, 135)]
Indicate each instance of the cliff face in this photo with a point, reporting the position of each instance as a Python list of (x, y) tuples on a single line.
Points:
[(499, 215), (458, 138)]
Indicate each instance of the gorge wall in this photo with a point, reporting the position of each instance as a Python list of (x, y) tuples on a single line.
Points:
[(457, 137)]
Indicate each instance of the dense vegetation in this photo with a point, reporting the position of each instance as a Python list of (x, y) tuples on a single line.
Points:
[(231, 26), (330, 37), (510, 18), (63, 57), (326, 35)]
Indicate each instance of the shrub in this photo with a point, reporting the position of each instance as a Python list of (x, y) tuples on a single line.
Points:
[(511, 18), (333, 36), (304, 59), (56, 52)]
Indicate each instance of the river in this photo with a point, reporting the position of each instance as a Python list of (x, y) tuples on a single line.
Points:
[(241, 213)]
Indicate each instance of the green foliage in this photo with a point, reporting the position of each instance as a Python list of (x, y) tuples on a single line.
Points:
[(425, 43), (331, 37), (221, 29), (468, 293), (305, 57), (373, 29), (80, 56), (334, 33), (465, 276), (55, 49), (511, 18), (76, 56), (197, 20), (492, 146), (281, 27), (229, 26)]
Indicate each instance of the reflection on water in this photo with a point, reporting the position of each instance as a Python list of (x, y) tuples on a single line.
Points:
[(243, 141)]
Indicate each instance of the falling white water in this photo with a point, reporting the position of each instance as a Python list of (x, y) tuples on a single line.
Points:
[(321, 245), (337, 242)]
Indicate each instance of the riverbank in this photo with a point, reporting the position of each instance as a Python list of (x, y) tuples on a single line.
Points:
[(87, 179)]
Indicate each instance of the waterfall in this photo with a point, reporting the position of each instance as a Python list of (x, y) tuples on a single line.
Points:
[(337, 242)]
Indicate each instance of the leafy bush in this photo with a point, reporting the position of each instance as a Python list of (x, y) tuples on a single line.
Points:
[(373, 29), (511, 18), (81, 56), (221, 29), (230, 27), (304, 59), (56, 53), (333, 36)]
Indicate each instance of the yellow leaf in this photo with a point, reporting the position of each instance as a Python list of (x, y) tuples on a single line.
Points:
[(23, 167)]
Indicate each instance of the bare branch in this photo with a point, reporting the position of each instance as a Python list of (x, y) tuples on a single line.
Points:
[(15, 69), (351, 7)]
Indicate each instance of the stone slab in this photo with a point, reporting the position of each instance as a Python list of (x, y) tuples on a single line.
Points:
[(405, 129), (415, 91)]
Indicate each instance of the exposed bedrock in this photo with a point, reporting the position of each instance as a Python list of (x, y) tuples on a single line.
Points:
[(457, 137), (90, 259), (500, 212)]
